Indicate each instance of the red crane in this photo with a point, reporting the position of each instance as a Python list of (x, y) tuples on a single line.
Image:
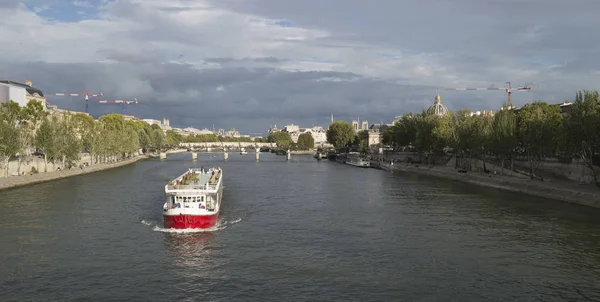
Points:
[(508, 91), (122, 102), (86, 95)]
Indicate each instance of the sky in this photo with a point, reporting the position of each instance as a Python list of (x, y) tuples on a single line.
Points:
[(252, 64)]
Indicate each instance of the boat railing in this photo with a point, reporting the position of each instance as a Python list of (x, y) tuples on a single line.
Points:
[(193, 187)]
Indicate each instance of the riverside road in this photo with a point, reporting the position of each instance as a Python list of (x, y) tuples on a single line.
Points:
[(303, 230)]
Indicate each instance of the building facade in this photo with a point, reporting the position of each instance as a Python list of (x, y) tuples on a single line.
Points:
[(21, 93)]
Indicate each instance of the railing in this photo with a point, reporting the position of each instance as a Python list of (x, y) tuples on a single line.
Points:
[(193, 187)]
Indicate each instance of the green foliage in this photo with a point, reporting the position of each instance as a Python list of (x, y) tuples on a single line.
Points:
[(582, 128), (173, 138), (306, 141), (10, 143), (540, 128), (538, 131), (282, 139), (503, 136), (340, 134)]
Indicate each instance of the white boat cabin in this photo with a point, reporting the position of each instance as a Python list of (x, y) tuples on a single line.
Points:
[(196, 189)]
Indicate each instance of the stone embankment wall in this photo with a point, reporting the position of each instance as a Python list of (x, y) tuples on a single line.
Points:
[(38, 163), (548, 168), (587, 195), (19, 181)]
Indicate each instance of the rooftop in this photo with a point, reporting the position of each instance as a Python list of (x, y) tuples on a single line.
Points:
[(31, 90)]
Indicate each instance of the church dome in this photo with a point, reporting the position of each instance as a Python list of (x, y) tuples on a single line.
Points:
[(437, 108)]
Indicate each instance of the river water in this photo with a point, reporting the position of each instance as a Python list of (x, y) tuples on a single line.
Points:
[(302, 231)]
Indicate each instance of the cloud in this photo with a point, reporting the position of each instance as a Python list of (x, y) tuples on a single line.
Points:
[(250, 64)]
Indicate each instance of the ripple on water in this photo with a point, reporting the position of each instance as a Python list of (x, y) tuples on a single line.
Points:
[(220, 225)]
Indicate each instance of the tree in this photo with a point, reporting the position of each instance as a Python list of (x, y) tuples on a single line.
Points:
[(282, 139), (172, 138), (306, 141), (405, 131), (504, 136), (539, 129), (84, 127), (424, 125), (67, 143), (9, 135), (582, 128), (45, 139), (340, 134), (112, 121)]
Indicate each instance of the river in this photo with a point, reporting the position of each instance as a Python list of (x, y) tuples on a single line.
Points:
[(303, 230)]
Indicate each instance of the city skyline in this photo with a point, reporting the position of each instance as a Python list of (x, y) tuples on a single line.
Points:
[(249, 64)]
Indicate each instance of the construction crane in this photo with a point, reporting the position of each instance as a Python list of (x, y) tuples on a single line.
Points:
[(86, 95), (122, 102), (507, 90)]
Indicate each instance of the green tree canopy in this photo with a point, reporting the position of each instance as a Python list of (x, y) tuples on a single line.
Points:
[(582, 129), (282, 139), (306, 141), (340, 134)]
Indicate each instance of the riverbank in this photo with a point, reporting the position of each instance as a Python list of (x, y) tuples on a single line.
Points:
[(583, 194), (19, 181)]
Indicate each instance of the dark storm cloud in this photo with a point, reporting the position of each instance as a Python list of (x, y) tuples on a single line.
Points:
[(235, 63), (251, 100)]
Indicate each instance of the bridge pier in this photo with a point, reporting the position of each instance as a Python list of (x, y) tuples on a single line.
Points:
[(163, 155), (194, 156), (289, 155), (257, 155), (209, 149), (225, 155)]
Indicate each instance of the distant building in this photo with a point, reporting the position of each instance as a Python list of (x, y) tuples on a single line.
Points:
[(194, 131), (152, 121), (564, 107), (131, 118), (318, 133), (20, 93), (273, 129), (54, 110), (232, 133), (488, 113), (374, 135), (437, 108)]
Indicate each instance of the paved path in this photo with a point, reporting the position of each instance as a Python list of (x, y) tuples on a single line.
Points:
[(569, 191), (19, 181)]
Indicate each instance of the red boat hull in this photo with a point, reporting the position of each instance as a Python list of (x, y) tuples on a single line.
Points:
[(190, 221)]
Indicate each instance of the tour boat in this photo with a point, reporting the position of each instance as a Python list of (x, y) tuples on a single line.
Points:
[(194, 199), (243, 151), (354, 159)]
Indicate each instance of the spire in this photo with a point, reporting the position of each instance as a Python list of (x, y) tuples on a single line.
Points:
[(332, 117)]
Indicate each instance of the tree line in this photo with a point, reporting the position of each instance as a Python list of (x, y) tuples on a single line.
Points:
[(343, 137), (284, 140), (61, 137), (536, 131)]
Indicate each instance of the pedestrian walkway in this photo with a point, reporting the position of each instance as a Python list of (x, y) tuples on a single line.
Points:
[(19, 181), (569, 191)]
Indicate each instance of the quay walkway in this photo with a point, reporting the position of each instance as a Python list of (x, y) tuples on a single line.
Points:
[(19, 181)]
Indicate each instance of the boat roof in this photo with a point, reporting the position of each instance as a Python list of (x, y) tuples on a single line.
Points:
[(202, 183)]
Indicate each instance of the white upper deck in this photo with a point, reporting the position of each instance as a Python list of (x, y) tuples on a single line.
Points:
[(195, 180)]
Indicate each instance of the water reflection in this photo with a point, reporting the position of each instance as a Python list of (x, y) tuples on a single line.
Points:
[(193, 254)]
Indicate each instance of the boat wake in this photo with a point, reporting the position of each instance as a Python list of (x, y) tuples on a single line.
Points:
[(221, 225)]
